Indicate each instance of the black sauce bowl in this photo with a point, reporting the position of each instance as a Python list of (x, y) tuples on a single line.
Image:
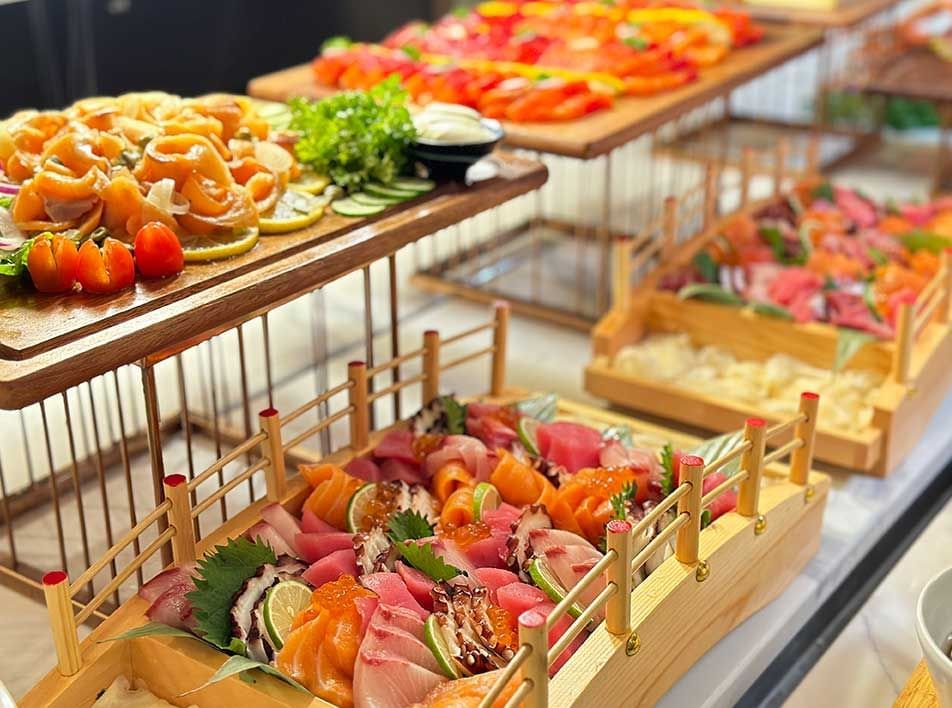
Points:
[(450, 161)]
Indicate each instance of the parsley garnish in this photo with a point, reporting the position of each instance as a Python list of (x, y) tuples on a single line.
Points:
[(667, 469), (620, 501), (408, 524), (218, 579), (422, 557), (455, 415)]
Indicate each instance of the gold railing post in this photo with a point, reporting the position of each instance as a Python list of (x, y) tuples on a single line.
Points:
[(621, 272), (532, 631), (813, 154), (748, 496), (670, 230), (500, 338), (60, 609), (711, 183), (273, 449), (618, 608), (945, 308), (746, 174), (689, 535), (431, 365), (357, 395), (801, 459), (180, 518), (905, 332), (780, 165)]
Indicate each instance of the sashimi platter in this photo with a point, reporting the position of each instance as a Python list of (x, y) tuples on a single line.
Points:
[(509, 550)]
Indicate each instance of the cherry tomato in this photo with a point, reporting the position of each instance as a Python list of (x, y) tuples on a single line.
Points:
[(105, 271), (158, 251), (52, 264)]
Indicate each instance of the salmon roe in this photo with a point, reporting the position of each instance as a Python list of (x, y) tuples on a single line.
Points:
[(380, 508), (339, 594), (467, 535), (508, 416), (425, 444), (502, 624)]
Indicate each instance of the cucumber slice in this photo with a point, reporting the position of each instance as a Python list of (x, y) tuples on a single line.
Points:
[(349, 207), (357, 506), (373, 200), (485, 498), (433, 636), (383, 190), (526, 428), (550, 585), (414, 184)]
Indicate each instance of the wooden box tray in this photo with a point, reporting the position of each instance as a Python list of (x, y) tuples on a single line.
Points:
[(915, 365), (716, 579)]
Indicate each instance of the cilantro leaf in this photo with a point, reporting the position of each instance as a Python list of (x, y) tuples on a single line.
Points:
[(408, 524), (667, 469), (455, 415), (422, 557), (620, 501), (218, 579)]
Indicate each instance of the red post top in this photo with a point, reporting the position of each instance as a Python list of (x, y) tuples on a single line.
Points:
[(268, 413), (356, 363), (809, 394), (618, 526), (756, 422), (532, 619), (174, 480), (54, 577), (692, 460)]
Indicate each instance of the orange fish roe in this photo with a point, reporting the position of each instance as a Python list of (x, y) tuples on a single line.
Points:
[(508, 416), (339, 594), (502, 624), (467, 535), (381, 507), (425, 444)]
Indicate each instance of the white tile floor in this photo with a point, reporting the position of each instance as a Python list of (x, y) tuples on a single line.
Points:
[(865, 667)]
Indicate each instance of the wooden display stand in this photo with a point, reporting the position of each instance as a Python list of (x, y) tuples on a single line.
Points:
[(716, 578), (919, 692), (915, 365)]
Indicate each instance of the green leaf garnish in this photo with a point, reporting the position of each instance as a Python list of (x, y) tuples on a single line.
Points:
[(667, 469), (706, 266), (422, 557), (879, 258), (238, 665), (621, 433), (407, 525), (218, 579), (925, 241), (710, 292), (620, 501), (848, 343), (705, 518), (6, 201), (338, 42), (542, 408), (411, 51), (455, 415), (639, 43), (150, 629), (824, 191)]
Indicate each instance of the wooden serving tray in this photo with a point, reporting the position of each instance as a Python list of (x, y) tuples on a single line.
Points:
[(901, 410), (838, 14), (629, 118), (919, 691)]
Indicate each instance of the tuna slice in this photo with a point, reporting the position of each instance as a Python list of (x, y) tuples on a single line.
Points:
[(331, 567), (266, 533), (285, 524), (501, 519), (383, 679), (452, 554), (725, 502), (558, 629), (614, 454), (570, 563), (396, 445), (393, 469), (418, 584), (849, 310), (572, 445), (173, 608), (494, 578), (391, 590), (314, 546), (518, 597), (155, 588), (488, 552), (494, 433), (312, 523), (363, 468), (794, 288)]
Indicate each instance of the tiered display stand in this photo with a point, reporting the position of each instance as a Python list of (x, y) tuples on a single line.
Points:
[(919, 691), (594, 145), (716, 578)]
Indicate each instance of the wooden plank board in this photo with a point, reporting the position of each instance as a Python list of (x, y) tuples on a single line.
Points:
[(919, 692), (630, 118), (846, 14), (917, 74), (49, 344)]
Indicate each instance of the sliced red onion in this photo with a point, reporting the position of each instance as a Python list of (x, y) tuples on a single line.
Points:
[(10, 189), (163, 196)]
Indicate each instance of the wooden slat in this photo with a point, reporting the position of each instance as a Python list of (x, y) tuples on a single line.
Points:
[(630, 118), (919, 691), (846, 14)]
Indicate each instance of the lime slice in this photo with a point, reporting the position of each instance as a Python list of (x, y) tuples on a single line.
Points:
[(433, 636), (294, 210), (357, 506), (282, 604), (311, 182), (213, 247), (549, 584), (485, 498), (526, 428)]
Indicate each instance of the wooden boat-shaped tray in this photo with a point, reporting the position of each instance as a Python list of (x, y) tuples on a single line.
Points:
[(716, 579), (915, 365)]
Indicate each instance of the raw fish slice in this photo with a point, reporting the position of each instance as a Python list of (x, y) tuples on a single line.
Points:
[(494, 578), (333, 489), (331, 567), (543, 539), (342, 641), (366, 607), (452, 554), (492, 432), (310, 523), (393, 469), (385, 680), (400, 618), (173, 607), (155, 588), (418, 584), (448, 478), (397, 445), (558, 629), (330, 682), (283, 522), (468, 692), (386, 638), (570, 563), (298, 656), (391, 590), (572, 445), (502, 519), (363, 468), (470, 451), (266, 533), (488, 552), (517, 598), (314, 546)]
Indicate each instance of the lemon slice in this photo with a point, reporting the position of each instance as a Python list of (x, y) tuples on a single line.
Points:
[(311, 182), (198, 248), (294, 210), (281, 605)]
